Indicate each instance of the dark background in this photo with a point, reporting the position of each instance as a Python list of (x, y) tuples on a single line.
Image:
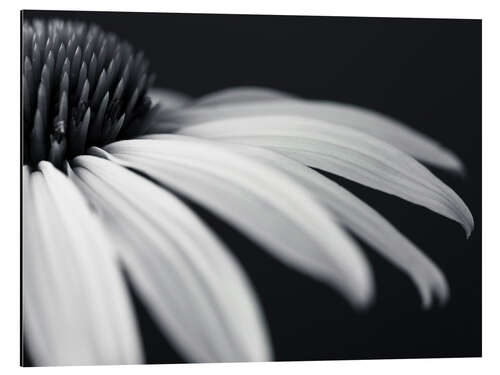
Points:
[(425, 72)]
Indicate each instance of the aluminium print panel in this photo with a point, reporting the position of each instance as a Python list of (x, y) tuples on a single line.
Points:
[(233, 188)]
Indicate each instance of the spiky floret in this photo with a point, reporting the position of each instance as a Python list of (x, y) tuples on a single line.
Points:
[(82, 87)]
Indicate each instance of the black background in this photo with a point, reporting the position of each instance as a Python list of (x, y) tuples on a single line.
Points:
[(425, 72)]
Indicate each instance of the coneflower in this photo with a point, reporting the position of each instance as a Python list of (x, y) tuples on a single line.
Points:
[(81, 87), (102, 176)]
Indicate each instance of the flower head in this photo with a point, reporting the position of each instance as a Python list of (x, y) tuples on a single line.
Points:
[(82, 87), (103, 179)]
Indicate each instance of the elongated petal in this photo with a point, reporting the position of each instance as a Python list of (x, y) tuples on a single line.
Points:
[(345, 152), (193, 287), (168, 99), (35, 330), (363, 221), (260, 201), (76, 308), (380, 126), (245, 94)]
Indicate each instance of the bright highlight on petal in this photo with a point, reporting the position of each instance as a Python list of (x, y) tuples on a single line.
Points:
[(241, 95), (76, 307), (196, 291), (363, 221), (259, 200), (370, 122), (345, 152)]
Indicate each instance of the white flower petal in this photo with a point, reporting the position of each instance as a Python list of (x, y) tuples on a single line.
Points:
[(76, 307), (168, 99), (193, 287), (244, 94), (370, 122), (363, 221), (36, 322), (258, 200), (345, 152)]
